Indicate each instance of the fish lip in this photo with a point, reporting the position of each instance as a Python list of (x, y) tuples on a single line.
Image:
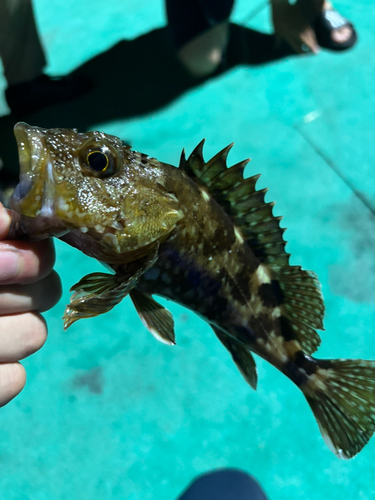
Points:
[(30, 144), (30, 149), (21, 132), (23, 144), (20, 191), (36, 168)]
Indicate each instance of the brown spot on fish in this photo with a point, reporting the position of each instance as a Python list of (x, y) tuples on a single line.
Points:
[(224, 234), (267, 325), (271, 294), (296, 374), (306, 362), (286, 329), (301, 368), (242, 279)]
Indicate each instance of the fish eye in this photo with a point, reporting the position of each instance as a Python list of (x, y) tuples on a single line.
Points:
[(99, 160)]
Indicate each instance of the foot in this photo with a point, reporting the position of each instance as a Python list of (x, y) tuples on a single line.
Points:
[(44, 91), (310, 24), (332, 30)]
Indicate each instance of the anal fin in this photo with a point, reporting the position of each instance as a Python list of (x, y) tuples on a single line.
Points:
[(241, 356)]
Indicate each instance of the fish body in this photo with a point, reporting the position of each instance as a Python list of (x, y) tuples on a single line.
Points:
[(202, 236)]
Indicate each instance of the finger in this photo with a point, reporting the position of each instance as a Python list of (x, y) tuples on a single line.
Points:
[(24, 262), (5, 218), (12, 381), (39, 296), (21, 335)]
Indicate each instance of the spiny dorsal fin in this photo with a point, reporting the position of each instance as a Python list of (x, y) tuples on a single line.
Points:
[(194, 164), (241, 201)]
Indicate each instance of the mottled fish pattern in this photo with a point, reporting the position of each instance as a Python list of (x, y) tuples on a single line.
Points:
[(200, 235)]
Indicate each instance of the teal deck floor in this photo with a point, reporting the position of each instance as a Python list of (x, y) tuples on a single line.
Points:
[(108, 412)]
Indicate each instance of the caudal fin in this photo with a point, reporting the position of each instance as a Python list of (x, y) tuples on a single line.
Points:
[(341, 394)]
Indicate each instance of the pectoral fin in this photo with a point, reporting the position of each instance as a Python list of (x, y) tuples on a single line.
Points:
[(98, 293), (155, 317), (241, 356)]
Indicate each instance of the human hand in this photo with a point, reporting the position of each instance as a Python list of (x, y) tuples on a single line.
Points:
[(292, 24), (28, 286)]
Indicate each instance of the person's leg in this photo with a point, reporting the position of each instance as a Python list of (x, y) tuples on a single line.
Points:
[(199, 31), (20, 47), (23, 59), (224, 484)]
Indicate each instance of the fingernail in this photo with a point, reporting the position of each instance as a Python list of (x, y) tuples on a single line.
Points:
[(9, 265)]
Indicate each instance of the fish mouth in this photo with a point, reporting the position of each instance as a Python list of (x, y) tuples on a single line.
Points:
[(24, 155), (34, 195), (35, 191)]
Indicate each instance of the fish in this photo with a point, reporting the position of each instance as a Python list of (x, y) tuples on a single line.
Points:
[(201, 235)]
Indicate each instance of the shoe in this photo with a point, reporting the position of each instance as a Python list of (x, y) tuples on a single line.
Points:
[(328, 21), (28, 97)]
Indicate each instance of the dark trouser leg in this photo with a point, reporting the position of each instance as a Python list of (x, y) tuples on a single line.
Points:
[(20, 47), (224, 484), (190, 18)]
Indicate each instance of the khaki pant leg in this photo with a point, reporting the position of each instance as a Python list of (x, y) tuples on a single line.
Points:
[(20, 47)]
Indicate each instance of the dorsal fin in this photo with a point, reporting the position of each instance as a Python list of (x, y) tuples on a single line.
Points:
[(239, 198), (302, 307)]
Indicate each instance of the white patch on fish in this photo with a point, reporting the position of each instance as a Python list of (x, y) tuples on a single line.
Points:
[(47, 209), (263, 275)]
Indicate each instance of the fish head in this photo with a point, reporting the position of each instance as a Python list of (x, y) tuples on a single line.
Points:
[(91, 190)]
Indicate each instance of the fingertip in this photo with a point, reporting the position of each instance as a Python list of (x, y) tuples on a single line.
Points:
[(42, 258), (52, 292), (35, 336), (12, 381), (5, 219), (20, 336)]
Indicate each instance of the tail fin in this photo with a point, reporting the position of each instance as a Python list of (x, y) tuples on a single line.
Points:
[(341, 393)]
